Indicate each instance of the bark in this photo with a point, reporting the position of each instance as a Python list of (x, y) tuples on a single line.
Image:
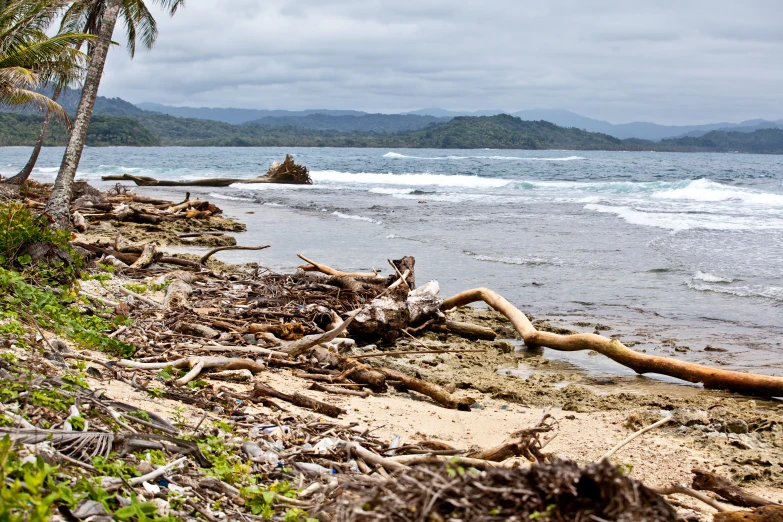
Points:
[(748, 383), (24, 174), (706, 481), (59, 202)]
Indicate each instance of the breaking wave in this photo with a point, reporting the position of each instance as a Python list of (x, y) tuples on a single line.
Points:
[(419, 180), (396, 155), (358, 218)]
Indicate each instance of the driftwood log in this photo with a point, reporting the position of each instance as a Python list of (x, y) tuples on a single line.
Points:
[(297, 399), (748, 383), (433, 391), (287, 172)]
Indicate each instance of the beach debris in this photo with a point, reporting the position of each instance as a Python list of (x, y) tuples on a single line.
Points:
[(265, 363), (559, 491)]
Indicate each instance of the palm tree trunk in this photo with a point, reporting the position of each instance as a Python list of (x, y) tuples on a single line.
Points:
[(58, 206), (24, 174)]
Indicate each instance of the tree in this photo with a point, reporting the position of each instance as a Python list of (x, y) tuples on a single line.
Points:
[(29, 58), (102, 15), (85, 16)]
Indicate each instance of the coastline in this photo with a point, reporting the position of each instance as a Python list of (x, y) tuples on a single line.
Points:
[(735, 436)]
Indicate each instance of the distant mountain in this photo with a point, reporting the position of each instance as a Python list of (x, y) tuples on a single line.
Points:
[(363, 123), (745, 126), (640, 130), (443, 113), (235, 116)]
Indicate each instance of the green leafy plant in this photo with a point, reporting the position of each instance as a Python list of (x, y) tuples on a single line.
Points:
[(550, 511), (61, 313), (18, 228), (29, 491)]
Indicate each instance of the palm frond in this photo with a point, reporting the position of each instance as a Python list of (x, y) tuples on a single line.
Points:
[(18, 97), (80, 445)]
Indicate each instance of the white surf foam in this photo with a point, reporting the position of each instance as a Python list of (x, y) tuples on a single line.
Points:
[(676, 221), (768, 292), (711, 191), (710, 278), (528, 260), (358, 218), (396, 155), (47, 170), (390, 191), (417, 180), (227, 197)]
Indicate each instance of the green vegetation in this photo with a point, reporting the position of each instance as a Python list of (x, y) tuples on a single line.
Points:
[(23, 296), (141, 128), (19, 231), (22, 130)]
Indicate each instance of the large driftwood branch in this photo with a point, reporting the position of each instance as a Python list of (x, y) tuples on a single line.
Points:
[(749, 383), (214, 251), (313, 266)]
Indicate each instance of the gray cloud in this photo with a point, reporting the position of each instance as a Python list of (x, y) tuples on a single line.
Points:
[(669, 61)]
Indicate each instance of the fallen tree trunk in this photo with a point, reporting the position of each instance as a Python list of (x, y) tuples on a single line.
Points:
[(288, 173), (748, 383)]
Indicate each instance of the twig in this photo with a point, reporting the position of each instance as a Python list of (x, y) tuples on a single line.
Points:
[(141, 298), (158, 472), (634, 435)]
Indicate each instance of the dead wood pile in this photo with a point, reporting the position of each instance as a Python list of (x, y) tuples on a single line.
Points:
[(558, 491)]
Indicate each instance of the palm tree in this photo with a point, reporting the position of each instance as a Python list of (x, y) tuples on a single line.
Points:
[(106, 13), (29, 58), (85, 16)]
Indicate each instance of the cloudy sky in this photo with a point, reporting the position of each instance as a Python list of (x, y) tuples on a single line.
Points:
[(670, 62)]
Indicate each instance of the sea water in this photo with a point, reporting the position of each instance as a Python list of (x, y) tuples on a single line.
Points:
[(673, 251)]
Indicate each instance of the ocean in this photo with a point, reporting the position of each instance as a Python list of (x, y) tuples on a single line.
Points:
[(670, 252)]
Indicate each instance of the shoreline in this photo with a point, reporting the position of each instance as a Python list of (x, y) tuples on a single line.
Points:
[(735, 436)]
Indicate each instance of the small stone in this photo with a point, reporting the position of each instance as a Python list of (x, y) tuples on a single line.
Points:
[(681, 349), (450, 387), (736, 426), (709, 348), (688, 417), (250, 339), (163, 507), (503, 346), (144, 467), (476, 406)]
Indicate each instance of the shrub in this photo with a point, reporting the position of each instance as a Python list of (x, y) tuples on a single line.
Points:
[(22, 234)]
